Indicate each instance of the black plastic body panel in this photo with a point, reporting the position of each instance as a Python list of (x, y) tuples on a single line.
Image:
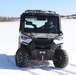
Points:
[(41, 47)]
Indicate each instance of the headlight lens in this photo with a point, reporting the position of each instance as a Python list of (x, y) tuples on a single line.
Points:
[(24, 37), (58, 40)]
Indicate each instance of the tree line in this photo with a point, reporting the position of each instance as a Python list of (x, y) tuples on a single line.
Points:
[(8, 19), (5, 19), (73, 16)]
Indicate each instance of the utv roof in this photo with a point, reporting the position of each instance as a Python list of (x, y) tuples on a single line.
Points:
[(40, 12)]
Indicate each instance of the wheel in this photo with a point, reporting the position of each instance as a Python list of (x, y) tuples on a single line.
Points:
[(22, 57), (61, 59)]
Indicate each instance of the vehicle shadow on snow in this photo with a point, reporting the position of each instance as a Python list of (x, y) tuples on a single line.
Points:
[(8, 62)]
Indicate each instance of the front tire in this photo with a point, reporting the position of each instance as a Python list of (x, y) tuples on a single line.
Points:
[(22, 57), (61, 59)]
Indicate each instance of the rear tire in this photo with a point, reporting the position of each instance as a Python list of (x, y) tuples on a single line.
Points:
[(61, 59), (22, 57)]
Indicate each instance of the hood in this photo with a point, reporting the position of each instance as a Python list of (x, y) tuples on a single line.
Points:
[(42, 35)]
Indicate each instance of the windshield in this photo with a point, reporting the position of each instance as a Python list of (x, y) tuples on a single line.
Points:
[(40, 24)]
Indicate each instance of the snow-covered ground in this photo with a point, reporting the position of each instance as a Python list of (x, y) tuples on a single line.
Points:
[(9, 45)]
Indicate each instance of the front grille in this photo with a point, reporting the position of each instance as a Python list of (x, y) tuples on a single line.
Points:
[(42, 38), (42, 41), (43, 47)]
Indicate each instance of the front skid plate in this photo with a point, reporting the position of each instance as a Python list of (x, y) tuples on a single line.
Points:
[(38, 54)]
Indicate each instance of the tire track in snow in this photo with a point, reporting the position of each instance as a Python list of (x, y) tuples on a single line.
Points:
[(64, 71), (54, 69), (10, 61), (72, 65)]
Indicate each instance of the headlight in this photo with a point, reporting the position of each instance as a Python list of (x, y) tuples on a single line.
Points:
[(58, 40), (25, 39)]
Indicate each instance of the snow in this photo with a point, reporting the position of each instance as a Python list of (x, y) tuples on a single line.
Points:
[(9, 32)]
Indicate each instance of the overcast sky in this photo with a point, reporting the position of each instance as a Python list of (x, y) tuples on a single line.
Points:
[(16, 7)]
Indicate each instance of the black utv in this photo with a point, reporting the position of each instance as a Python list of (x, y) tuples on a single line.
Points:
[(40, 38)]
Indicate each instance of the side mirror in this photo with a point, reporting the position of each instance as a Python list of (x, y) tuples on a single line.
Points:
[(60, 33)]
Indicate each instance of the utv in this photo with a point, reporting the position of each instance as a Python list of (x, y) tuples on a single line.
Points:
[(40, 38)]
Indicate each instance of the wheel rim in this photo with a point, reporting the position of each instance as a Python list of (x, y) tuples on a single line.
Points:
[(58, 58), (19, 57)]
